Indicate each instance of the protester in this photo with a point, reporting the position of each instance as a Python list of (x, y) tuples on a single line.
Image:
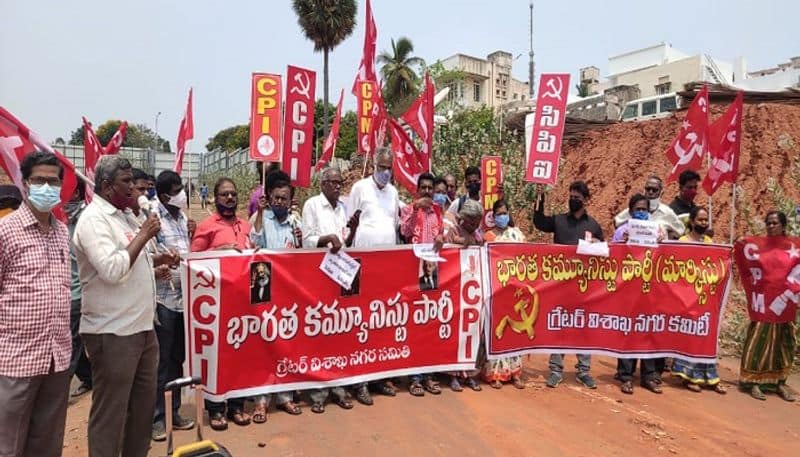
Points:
[(472, 184), (568, 228), (467, 232), (659, 212), (421, 222), (452, 187), (695, 375), (275, 228), (440, 193), (374, 207), (151, 188), (35, 343), (688, 182), (769, 348), (496, 372), (118, 312), (650, 369), (141, 186), (203, 195), (10, 200), (324, 225), (221, 231), (169, 299), (79, 364)]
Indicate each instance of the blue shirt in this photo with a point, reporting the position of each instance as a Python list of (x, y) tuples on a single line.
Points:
[(275, 234)]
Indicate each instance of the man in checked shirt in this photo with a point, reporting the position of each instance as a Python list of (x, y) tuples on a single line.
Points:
[(35, 340)]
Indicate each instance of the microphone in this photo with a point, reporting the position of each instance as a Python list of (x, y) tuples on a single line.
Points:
[(144, 206)]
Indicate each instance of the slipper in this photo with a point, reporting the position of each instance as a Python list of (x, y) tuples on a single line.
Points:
[(291, 408), (627, 387), (473, 384), (415, 388), (217, 422), (517, 382), (455, 386), (318, 408), (239, 418), (432, 386), (496, 384), (343, 403), (259, 414)]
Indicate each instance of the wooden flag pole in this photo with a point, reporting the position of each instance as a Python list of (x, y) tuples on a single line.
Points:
[(733, 211)]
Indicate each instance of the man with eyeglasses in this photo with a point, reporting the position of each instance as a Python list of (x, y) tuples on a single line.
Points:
[(659, 211), (35, 340), (325, 225)]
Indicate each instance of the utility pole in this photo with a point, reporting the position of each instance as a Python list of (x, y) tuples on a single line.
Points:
[(531, 66)]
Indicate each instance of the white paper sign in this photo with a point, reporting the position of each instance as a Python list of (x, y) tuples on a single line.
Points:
[(643, 233), (340, 267), (599, 249), (425, 251)]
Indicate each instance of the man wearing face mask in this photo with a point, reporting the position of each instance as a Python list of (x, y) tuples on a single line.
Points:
[(10, 200), (688, 182), (440, 193), (374, 208), (170, 208), (472, 183), (118, 312), (658, 212), (35, 341), (568, 228), (274, 227)]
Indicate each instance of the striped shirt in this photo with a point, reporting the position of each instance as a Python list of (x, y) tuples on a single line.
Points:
[(176, 236)]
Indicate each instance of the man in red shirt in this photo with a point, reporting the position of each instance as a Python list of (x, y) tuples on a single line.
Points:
[(35, 339)]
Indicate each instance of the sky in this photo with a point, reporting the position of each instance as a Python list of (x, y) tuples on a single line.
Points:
[(60, 60)]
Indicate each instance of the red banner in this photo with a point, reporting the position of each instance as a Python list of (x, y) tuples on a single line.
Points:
[(298, 125), (548, 129), (265, 118), (687, 149), (366, 99), (725, 136), (115, 143), (329, 146), (639, 302), (770, 271), (256, 325), (185, 133), (419, 117)]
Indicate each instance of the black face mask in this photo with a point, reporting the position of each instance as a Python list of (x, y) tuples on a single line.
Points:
[(225, 211), (575, 205), (699, 229), (474, 188)]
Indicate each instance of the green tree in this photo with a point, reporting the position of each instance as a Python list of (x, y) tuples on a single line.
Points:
[(583, 90), (138, 136), (230, 139), (326, 23), (400, 77)]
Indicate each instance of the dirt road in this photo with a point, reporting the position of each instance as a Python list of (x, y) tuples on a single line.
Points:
[(537, 421)]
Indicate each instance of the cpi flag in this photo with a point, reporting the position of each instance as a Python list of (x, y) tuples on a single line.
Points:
[(687, 149), (548, 129), (419, 117), (116, 141), (298, 130), (92, 150), (329, 147), (725, 140), (16, 141), (185, 133), (265, 118), (770, 270)]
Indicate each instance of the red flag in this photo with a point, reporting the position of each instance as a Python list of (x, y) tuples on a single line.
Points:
[(115, 143), (298, 125), (329, 147), (92, 150), (16, 141), (407, 166), (380, 120), (724, 145), (544, 149), (687, 149), (419, 117), (366, 70), (770, 270), (185, 132)]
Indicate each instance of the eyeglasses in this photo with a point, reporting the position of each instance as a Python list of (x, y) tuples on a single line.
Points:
[(39, 180), (332, 183), (651, 189), (228, 194)]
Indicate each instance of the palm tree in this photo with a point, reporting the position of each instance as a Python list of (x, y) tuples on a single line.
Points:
[(327, 23), (399, 74)]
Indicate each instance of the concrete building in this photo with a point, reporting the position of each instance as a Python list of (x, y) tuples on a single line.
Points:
[(487, 82), (785, 75)]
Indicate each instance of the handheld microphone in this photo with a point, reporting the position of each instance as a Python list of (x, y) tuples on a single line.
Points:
[(144, 206)]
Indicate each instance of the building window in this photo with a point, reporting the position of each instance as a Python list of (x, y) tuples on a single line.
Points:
[(497, 92), (476, 92), (663, 88), (515, 96)]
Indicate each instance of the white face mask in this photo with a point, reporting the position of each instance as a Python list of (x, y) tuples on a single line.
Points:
[(179, 200)]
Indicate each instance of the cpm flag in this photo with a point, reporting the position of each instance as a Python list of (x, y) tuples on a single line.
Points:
[(329, 147), (419, 117), (92, 150), (687, 149), (724, 145), (406, 165), (185, 133), (115, 143), (16, 141), (366, 70)]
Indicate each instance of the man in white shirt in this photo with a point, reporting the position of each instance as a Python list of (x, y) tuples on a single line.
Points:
[(374, 204), (117, 312), (659, 212), (325, 225)]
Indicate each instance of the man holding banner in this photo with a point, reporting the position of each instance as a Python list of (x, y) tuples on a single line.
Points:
[(472, 183), (568, 228)]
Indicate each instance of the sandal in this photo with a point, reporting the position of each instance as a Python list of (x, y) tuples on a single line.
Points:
[(693, 387), (473, 384), (364, 397), (496, 384), (627, 387), (259, 414), (756, 393), (291, 408), (784, 393), (517, 382), (719, 389), (318, 408), (432, 386), (388, 389), (455, 386), (343, 403), (239, 417), (217, 422), (415, 388), (652, 386)]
